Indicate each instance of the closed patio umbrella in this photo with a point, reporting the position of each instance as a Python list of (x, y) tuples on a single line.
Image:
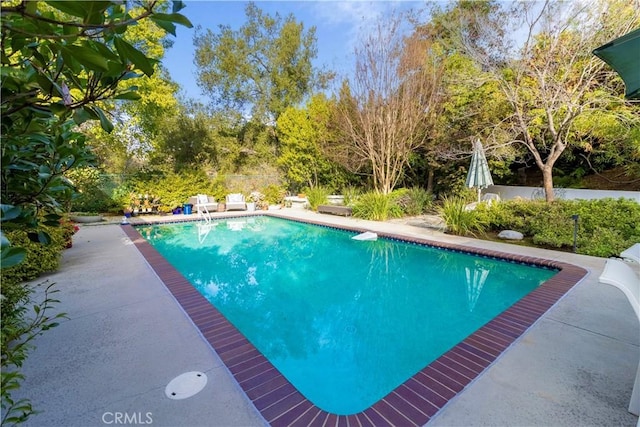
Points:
[(479, 175), (623, 55)]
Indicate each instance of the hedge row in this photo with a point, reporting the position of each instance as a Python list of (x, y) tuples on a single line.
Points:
[(606, 227)]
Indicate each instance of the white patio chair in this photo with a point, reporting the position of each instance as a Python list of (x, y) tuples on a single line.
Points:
[(620, 274), (632, 253)]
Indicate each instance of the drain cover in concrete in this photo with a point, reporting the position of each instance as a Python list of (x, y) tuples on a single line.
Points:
[(186, 385)]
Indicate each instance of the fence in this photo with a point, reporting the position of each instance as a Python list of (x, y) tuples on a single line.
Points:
[(512, 192)]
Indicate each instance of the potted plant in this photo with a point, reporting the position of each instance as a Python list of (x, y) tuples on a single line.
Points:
[(85, 217), (135, 203), (255, 198)]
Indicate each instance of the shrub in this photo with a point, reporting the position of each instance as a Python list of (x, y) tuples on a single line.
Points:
[(459, 220), (605, 226), (351, 195), (40, 258), (317, 196), (19, 327), (377, 206), (172, 189), (274, 194), (603, 242), (90, 195), (415, 201), (19, 324)]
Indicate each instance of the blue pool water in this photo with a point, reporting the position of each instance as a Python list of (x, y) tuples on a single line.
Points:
[(344, 321)]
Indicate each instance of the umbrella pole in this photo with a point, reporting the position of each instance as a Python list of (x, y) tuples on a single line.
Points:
[(479, 194)]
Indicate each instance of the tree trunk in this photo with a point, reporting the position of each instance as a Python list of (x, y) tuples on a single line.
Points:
[(430, 177), (547, 182)]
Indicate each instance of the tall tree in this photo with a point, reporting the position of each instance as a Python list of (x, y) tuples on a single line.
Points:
[(554, 80), (187, 141), (303, 132), (469, 104), (137, 124), (387, 107), (260, 69)]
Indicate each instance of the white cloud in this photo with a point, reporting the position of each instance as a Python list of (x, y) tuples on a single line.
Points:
[(351, 19)]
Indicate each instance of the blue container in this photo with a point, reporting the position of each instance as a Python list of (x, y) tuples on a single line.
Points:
[(186, 208)]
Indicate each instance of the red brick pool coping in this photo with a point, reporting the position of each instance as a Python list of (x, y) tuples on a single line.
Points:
[(415, 401)]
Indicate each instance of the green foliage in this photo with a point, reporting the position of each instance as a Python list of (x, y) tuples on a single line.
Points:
[(11, 255), (274, 194), (317, 196), (19, 328), (90, 195), (377, 206), (302, 134), (605, 227), (266, 64), (459, 219), (171, 189), (188, 140), (515, 100), (36, 155), (414, 201), (512, 214), (59, 60), (40, 258), (351, 195), (450, 181), (50, 49)]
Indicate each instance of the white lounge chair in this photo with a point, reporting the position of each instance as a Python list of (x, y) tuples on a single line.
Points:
[(633, 253), (620, 274), (236, 201)]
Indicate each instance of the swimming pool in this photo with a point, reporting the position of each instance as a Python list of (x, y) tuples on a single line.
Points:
[(310, 326)]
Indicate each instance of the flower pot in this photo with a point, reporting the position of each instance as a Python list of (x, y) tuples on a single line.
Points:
[(85, 218)]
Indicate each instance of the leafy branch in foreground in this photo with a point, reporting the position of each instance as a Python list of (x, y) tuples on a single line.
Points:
[(18, 331), (59, 60)]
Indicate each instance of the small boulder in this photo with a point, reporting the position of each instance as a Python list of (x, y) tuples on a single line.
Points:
[(510, 235)]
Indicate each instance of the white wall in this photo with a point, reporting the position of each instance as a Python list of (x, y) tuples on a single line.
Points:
[(512, 192)]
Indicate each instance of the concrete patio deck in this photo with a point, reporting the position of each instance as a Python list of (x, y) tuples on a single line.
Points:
[(126, 338)]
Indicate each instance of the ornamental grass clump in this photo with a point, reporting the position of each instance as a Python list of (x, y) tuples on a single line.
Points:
[(376, 206), (414, 201), (459, 219), (317, 196)]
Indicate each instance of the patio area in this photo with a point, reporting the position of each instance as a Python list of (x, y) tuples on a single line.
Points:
[(126, 338)]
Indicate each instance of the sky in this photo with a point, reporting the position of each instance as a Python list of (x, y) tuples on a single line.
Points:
[(338, 24)]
